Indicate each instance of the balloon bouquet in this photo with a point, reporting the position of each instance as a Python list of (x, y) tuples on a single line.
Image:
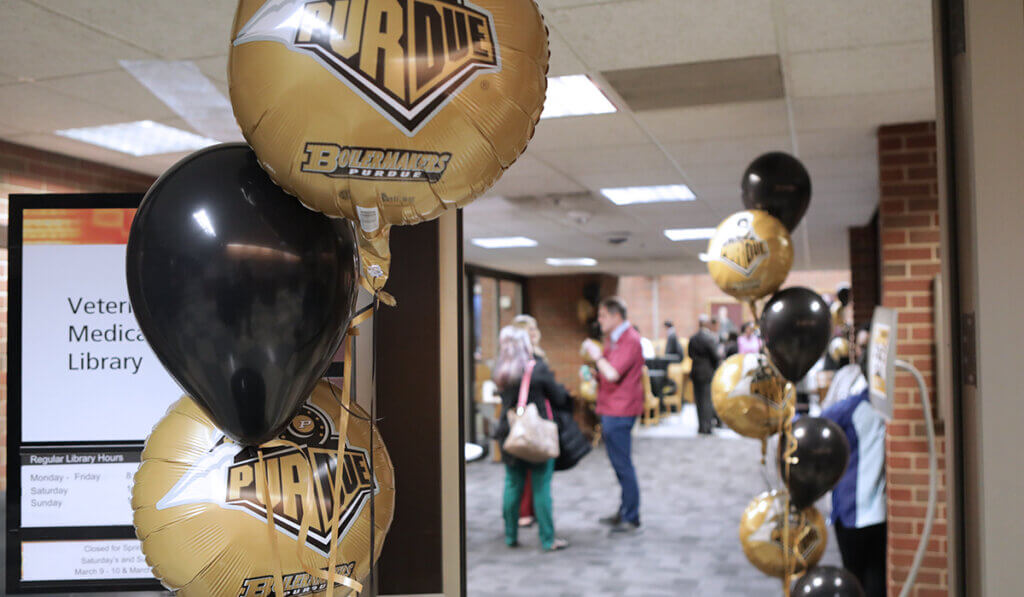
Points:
[(749, 257), (243, 267)]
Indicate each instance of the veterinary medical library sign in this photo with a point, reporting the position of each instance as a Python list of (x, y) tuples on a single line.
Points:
[(84, 392)]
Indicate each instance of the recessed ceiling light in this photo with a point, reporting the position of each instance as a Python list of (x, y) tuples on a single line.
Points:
[(571, 261), (144, 137), (575, 95), (689, 233), (655, 194), (504, 242)]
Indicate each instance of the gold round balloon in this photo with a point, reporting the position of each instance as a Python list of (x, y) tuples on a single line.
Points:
[(762, 535), (750, 397), (201, 514), (387, 112), (750, 255), (839, 348)]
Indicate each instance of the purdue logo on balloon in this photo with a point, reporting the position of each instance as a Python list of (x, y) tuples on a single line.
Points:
[(387, 112), (194, 484), (750, 255), (407, 61), (765, 540), (750, 397)]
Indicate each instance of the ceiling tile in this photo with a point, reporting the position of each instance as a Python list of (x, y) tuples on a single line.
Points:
[(530, 176), (694, 154), (38, 44), (875, 69), (214, 67), (830, 24), (563, 59), (173, 30), (116, 90), (653, 32), (39, 109), (601, 130), (623, 158), (663, 175), (711, 122), (872, 110)]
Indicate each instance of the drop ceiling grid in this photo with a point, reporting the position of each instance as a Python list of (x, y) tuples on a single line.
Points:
[(38, 44), (177, 30)]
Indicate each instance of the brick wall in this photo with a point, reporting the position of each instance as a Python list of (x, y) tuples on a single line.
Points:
[(909, 235), (681, 298), (553, 301), (865, 262), (27, 170)]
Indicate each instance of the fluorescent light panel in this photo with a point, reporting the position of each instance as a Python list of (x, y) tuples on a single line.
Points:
[(654, 194), (571, 261), (678, 234), (575, 95), (140, 138), (504, 242)]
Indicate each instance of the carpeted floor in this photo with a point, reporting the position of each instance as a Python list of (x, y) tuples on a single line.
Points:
[(693, 491)]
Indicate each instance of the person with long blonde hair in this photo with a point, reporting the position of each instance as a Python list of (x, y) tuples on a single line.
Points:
[(515, 357)]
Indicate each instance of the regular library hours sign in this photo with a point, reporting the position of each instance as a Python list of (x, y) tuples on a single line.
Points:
[(85, 390)]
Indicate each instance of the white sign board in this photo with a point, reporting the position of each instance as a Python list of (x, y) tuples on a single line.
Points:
[(881, 359), (85, 392)]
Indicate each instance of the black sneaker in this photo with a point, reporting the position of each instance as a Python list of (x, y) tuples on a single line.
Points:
[(625, 527), (612, 520)]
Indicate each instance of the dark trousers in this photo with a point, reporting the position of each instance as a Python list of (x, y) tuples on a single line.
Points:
[(863, 552), (705, 410), (619, 443)]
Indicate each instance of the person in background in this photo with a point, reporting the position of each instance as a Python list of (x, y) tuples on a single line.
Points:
[(620, 399), (526, 322), (749, 342), (859, 500), (731, 345), (672, 346), (725, 325), (703, 351), (515, 353)]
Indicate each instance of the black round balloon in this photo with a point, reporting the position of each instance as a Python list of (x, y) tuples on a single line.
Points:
[(828, 581), (796, 327), (778, 183), (822, 452), (843, 295), (243, 293)]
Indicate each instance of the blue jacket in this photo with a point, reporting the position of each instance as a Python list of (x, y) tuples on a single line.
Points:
[(858, 500)]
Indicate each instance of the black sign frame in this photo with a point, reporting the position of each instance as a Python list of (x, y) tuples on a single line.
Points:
[(15, 534)]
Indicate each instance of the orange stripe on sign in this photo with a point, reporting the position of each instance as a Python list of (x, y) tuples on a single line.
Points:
[(77, 226)]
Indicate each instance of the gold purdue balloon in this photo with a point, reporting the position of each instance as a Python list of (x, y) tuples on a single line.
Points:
[(750, 255), (201, 510), (387, 112), (839, 348), (750, 397), (762, 535)]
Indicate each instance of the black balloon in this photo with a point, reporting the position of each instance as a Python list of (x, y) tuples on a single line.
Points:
[(822, 453), (796, 326), (243, 293), (843, 295), (828, 581), (778, 183)]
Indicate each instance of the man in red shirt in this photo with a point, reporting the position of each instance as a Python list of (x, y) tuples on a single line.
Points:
[(620, 399)]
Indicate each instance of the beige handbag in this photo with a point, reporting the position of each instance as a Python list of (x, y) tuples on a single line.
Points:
[(531, 437)]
